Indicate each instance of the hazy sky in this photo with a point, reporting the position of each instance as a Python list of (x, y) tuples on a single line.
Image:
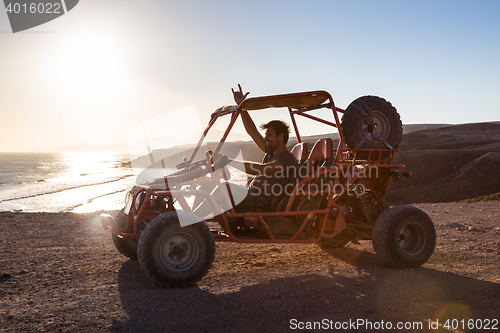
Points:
[(99, 71)]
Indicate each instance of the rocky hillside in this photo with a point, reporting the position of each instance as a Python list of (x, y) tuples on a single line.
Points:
[(450, 163)]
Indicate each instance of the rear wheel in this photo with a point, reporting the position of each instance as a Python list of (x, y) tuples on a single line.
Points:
[(404, 237), (371, 122), (126, 246), (175, 256)]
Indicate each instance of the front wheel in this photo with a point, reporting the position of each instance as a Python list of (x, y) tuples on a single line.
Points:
[(175, 256), (404, 237)]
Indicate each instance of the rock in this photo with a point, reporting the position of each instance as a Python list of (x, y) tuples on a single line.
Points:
[(453, 225), (5, 276)]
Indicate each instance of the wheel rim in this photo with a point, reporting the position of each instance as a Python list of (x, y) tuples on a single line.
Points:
[(412, 239), (179, 251), (379, 130)]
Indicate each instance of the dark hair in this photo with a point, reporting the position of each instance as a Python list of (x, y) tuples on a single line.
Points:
[(279, 126)]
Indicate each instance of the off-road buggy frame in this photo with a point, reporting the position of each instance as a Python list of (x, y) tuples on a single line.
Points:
[(339, 198)]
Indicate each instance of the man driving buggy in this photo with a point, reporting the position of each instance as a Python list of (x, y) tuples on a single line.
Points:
[(272, 175)]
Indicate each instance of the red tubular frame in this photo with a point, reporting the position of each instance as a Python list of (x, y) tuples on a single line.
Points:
[(345, 162)]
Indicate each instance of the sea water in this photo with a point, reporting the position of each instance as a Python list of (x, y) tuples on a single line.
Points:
[(67, 182), (61, 182)]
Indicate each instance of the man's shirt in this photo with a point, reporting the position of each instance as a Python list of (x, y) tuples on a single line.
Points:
[(267, 187)]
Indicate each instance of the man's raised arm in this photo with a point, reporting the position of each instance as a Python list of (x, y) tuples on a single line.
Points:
[(247, 120)]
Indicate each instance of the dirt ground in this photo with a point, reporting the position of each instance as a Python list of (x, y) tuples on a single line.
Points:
[(61, 272)]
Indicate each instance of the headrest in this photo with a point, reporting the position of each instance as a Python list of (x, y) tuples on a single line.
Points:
[(300, 152), (321, 154)]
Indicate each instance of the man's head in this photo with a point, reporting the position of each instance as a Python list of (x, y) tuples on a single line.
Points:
[(277, 132), (279, 127)]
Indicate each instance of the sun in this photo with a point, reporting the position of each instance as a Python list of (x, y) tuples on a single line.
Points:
[(89, 69)]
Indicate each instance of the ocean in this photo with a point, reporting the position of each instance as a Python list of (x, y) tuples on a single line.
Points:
[(68, 182), (63, 182)]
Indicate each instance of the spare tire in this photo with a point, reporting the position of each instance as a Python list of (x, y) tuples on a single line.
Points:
[(371, 122)]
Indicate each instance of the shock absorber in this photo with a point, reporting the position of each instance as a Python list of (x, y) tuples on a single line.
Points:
[(366, 208), (186, 175)]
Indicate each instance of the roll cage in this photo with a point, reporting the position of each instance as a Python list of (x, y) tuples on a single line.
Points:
[(298, 104), (339, 168)]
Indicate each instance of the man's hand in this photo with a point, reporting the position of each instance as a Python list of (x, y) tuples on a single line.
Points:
[(238, 95)]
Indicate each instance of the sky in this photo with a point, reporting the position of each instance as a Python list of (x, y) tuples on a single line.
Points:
[(98, 72)]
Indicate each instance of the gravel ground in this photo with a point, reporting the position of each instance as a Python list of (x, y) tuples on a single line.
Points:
[(61, 272)]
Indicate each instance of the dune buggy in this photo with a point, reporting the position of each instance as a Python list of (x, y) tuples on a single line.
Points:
[(337, 199)]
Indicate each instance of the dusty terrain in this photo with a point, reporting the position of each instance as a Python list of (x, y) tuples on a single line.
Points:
[(60, 272)]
